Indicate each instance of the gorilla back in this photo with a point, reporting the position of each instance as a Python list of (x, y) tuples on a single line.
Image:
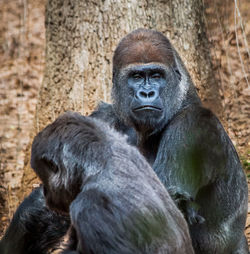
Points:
[(117, 203)]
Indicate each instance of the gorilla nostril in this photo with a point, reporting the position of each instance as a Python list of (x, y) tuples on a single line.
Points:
[(151, 94), (143, 94), (146, 94)]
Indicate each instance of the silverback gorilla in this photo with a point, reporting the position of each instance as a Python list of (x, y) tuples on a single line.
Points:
[(117, 203), (155, 103)]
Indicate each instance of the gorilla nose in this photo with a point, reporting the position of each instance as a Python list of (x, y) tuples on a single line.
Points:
[(147, 95)]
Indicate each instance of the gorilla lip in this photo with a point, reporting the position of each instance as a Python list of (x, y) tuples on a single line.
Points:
[(147, 107)]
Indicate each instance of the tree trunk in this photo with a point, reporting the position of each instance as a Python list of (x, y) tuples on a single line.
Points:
[(80, 40)]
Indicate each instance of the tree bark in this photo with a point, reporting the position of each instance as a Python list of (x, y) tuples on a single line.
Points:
[(80, 40)]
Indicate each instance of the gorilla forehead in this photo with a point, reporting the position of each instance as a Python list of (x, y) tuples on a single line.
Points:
[(143, 46)]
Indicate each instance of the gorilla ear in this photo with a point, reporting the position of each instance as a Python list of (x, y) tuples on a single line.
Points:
[(49, 165), (177, 73)]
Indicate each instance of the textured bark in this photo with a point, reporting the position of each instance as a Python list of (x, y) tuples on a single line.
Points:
[(81, 37), (189, 37)]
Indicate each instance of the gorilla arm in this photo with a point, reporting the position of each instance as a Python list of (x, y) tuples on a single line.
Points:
[(34, 228), (193, 154)]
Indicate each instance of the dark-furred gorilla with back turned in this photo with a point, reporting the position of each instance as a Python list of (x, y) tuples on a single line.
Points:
[(155, 103), (117, 203)]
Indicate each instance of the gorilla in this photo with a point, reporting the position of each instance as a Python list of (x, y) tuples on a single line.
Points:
[(116, 202), (156, 105), (185, 143)]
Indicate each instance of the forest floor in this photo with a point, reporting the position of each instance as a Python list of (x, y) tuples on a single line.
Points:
[(22, 42)]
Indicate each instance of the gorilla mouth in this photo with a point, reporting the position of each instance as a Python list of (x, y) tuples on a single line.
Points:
[(147, 107)]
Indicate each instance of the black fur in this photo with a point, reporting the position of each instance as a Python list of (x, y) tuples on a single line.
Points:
[(117, 204), (34, 228)]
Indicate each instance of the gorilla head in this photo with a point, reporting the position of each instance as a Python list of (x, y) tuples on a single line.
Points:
[(116, 202), (147, 70)]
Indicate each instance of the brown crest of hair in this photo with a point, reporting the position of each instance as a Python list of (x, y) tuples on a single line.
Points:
[(143, 46)]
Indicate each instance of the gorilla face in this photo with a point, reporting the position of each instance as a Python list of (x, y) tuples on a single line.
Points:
[(57, 190), (146, 95)]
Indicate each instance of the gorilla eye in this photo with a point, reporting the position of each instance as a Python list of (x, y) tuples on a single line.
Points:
[(156, 75), (136, 76)]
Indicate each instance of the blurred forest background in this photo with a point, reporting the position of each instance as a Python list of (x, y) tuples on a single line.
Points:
[(22, 60)]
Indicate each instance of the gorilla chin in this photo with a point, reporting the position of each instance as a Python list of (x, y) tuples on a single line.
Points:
[(148, 118)]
